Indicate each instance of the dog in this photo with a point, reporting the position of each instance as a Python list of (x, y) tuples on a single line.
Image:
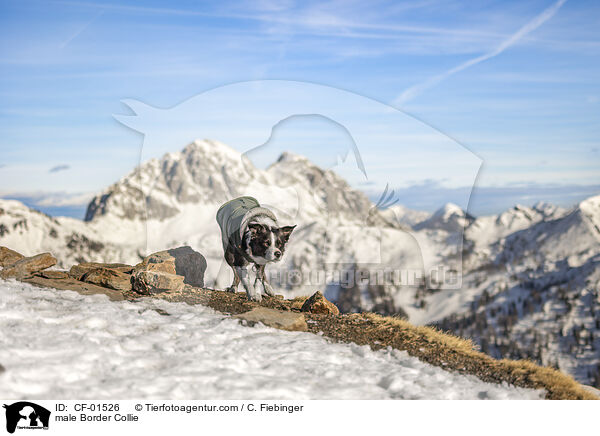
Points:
[(251, 237)]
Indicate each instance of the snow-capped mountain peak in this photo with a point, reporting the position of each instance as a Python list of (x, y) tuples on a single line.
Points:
[(449, 217)]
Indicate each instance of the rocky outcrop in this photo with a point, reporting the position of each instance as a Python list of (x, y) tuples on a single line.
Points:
[(317, 303), (8, 256), (109, 278), (182, 261), (278, 319), (80, 270), (154, 282), (109, 275), (57, 275), (26, 266), (71, 284), (169, 270)]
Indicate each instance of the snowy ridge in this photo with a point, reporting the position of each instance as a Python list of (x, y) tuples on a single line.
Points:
[(450, 218), (196, 353), (534, 293)]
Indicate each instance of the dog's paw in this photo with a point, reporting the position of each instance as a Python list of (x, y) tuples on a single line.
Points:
[(268, 290), (256, 297)]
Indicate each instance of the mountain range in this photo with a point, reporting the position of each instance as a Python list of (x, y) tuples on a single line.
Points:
[(521, 284)]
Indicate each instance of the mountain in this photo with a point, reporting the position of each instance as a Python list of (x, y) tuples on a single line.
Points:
[(405, 216), (523, 283), (450, 218), (72, 240), (535, 293), (173, 201)]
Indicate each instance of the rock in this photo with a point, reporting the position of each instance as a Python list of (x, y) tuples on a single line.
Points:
[(317, 303), (78, 271), (109, 278), (75, 285), (8, 256), (182, 261), (28, 265), (276, 318), (153, 282), (53, 274)]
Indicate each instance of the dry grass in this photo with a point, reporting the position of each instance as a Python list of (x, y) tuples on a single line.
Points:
[(429, 344), (454, 353)]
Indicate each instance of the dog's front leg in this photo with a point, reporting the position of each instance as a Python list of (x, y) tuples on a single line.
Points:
[(263, 279), (236, 280), (251, 292)]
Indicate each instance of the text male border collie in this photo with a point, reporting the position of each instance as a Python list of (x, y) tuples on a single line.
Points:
[(250, 235)]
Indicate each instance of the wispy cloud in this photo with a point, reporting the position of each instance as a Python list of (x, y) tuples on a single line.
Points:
[(536, 22), (80, 30), (59, 168), (325, 15)]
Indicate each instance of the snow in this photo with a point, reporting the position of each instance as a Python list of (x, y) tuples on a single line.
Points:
[(59, 344)]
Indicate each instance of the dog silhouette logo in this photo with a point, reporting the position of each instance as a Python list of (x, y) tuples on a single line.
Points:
[(26, 415)]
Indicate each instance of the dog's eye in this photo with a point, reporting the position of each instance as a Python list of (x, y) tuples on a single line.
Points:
[(267, 243)]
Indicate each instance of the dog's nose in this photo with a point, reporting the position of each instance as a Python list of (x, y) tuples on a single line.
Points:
[(278, 254)]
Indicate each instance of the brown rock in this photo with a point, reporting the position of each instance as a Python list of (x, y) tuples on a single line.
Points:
[(317, 303), (153, 282), (75, 285), (78, 271), (28, 265), (109, 278), (8, 256), (53, 274), (182, 261), (276, 318)]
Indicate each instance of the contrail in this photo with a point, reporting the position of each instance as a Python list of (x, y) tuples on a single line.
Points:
[(78, 32), (536, 22)]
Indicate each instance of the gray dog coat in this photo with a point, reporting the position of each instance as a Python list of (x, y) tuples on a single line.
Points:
[(233, 218)]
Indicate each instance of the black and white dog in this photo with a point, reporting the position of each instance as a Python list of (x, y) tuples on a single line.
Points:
[(251, 237)]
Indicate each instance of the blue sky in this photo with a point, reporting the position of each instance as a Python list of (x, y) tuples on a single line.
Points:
[(517, 83)]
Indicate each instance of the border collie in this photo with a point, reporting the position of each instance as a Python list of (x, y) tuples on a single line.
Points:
[(251, 237)]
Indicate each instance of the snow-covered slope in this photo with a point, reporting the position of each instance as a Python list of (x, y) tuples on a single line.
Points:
[(450, 218), (155, 349), (405, 216), (534, 292), (487, 230)]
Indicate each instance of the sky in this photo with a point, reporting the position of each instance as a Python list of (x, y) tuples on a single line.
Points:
[(517, 84)]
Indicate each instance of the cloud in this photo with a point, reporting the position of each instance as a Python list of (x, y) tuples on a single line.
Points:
[(536, 22), (80, 30), (59, 168), (53, 203), (49, 199)]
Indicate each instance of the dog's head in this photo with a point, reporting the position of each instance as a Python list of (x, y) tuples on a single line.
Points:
[(265, 242)]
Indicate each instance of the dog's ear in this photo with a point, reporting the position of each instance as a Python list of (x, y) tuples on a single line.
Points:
[(286, 232), (255, 228)]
